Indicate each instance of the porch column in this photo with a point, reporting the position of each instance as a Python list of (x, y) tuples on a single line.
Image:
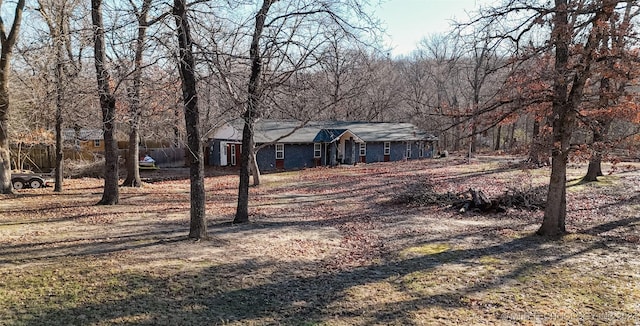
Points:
[(347, 152), (353, 152), (332, 154)]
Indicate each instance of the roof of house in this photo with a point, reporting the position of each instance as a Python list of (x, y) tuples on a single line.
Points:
[(82, 134), (288, 131)]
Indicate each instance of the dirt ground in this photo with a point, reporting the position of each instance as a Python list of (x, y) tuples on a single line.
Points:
[(325, 246)]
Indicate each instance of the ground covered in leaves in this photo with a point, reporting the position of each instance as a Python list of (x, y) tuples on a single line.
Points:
[(325, 247)]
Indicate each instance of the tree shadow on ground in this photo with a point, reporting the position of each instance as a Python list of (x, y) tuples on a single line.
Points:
[(293, 294)]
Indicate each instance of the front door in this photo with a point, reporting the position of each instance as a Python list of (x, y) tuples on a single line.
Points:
[(238, 153), (232, 154), (234, 151)]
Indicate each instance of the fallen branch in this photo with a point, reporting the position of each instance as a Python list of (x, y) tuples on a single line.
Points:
[(479, 202)]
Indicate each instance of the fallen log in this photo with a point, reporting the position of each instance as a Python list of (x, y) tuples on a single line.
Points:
[(479, 202)]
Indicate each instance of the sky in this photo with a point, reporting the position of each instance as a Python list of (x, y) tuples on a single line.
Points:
[(408, 21)]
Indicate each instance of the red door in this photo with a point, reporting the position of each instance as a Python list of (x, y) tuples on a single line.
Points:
[(279, 164), (234, 151), (231, 155), (238, 153)]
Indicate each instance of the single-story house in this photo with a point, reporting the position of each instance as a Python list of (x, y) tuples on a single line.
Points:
[(82, 143), (84, 139), (287, 144)]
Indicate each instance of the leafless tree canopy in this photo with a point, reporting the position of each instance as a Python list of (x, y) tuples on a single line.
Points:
[(490, 84)]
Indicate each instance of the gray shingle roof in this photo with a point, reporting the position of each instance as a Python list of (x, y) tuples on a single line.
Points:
[(83, 134), (269, 130)]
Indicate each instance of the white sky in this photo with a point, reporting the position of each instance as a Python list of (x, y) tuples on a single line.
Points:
[(408, 21)]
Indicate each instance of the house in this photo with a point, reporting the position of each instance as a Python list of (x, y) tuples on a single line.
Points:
[(286, 144), (83, 143), (84, 139)]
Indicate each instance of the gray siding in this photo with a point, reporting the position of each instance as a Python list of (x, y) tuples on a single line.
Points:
[(375, 152), (266, 158), (398, 151), (296, 156)]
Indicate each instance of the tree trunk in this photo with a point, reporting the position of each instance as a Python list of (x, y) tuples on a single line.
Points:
[(5, 154), (564, 107), (512, 137), (594, 170), (177, 137), (538, 151), (254, 94), (600, 131), (56, 15), (57, 19), (110, 195), (133, 171), (474, 140), (7, 42), (59, 172), (242, 210), (198, 226), (456, 137), (553, 223), (496, 146), (255, 170), (555, 211), (534, 149)]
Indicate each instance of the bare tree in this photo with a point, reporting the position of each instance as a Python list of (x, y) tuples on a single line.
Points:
[(111, 194), (133, 171), (281, 46), (198, 226), (343, 79), (438, 58), (254, 97), (7, 41), (617, 68), (482, 65), (566, 101), (57, 15), (576, 30)]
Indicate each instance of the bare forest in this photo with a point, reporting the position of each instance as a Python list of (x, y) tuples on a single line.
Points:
[(550, 85), (470, 87)]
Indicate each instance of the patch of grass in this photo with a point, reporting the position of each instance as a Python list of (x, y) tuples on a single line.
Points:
[(580, 237), (426, 249), (579, 185), (489, 260)]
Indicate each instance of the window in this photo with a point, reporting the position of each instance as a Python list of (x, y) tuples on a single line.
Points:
[(387, 148), (408, 149), (421, 149), (363, 149), (233, 154), (317, 150), (279, 151), (96, 143)]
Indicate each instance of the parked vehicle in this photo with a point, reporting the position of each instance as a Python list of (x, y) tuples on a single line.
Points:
[(28, 180)]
